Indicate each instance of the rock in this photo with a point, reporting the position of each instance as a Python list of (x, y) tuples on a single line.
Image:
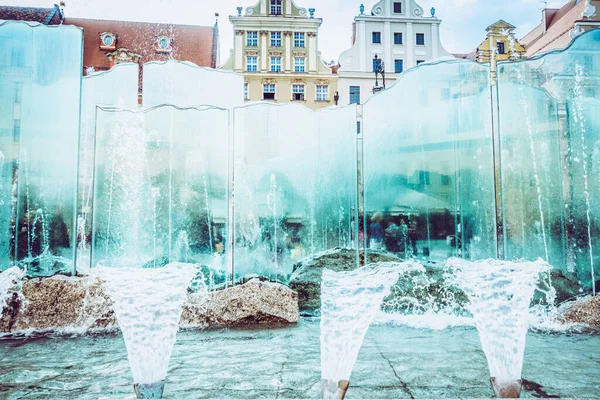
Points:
[(80, 304), (585, 310), (306, 278), (254, 302)]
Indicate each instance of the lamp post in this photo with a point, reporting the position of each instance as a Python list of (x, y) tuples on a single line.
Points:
[(336, 97), (379, 70)]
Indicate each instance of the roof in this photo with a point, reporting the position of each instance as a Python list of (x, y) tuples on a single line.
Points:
[(553, 32), (46, 16), (500, 23)]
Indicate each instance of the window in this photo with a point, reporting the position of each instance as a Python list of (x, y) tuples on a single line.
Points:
[(397, 8), (275, 7), (246, 94), (269, 92), (108, 40), (445, 180), (252, 39), (398, 66), (376, 64), (420, 62), (298, 39), (275, 39), (16, 129), (298, 64), (163, 42), (421, 39), (18, 92), (251, 64), (398, 38), (298, 92), (376, 37), (501, 49), (354, 94), (322, 93), (358, 127), (275, 64)]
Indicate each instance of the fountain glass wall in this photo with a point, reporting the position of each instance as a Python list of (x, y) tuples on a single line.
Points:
[(117, 87), (160, 186), (184, 84), (427, 146), (38, 145), (550, 156), (294, 185)]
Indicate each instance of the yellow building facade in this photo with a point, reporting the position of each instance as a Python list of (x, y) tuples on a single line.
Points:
[(499, 45), (276, 50)]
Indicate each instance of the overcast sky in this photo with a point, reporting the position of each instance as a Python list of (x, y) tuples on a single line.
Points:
[(462, 29)]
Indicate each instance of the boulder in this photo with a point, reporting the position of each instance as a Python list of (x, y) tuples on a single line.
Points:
[(80, 304), (585, 310), (306, 278), (255, 302)]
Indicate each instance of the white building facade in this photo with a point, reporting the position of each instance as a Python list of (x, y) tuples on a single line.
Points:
[(399, 34)]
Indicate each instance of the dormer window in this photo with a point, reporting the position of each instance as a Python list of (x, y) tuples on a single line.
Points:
[(108, 41), (397, 8), (276, 7), (501, 49), (163, 44)]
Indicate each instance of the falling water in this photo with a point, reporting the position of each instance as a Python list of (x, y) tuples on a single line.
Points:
[(147, 304), (349, 301), (500, 294), (208, 211), (579, 119), (155, 192), (525, 107), (272, 203)]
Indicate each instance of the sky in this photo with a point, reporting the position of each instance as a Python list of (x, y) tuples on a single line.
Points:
[(462, 29)]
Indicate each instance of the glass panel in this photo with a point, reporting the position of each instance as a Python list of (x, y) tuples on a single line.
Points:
[(549, 126), (40, 63), (184, 84), (295, 185), (161, 187), (117, 87), (422, 165)]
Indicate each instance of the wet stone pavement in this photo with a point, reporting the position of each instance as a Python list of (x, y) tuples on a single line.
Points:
[(394, 362)]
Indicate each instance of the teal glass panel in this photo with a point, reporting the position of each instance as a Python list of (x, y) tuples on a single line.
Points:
[(118, 88), (549, 123), (427, 146), (294, 185), (160, 187), (38, 145), (185, 84)]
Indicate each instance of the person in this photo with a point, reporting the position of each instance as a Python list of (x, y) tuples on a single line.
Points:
[(376, 232), (298, 252), (402, 236), (412, 236), (219, 246), (391, 237)]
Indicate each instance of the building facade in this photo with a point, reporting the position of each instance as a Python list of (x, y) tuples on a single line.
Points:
[(500, 44), (276, 49), (396, 33), (560, 25)]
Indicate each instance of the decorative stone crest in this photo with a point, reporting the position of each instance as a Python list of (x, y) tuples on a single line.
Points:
[(275, 53), (299, 53), (122, 55), (378, 10), (299, 81), (269, 81), (311, 34), (287, 33), (322, 82), (417, 12), (108, 41), (249, 11), (251, 53), (240, 32), (264, 33)]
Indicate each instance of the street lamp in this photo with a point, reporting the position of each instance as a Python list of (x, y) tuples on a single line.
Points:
[(379, 70), (336, 97)]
